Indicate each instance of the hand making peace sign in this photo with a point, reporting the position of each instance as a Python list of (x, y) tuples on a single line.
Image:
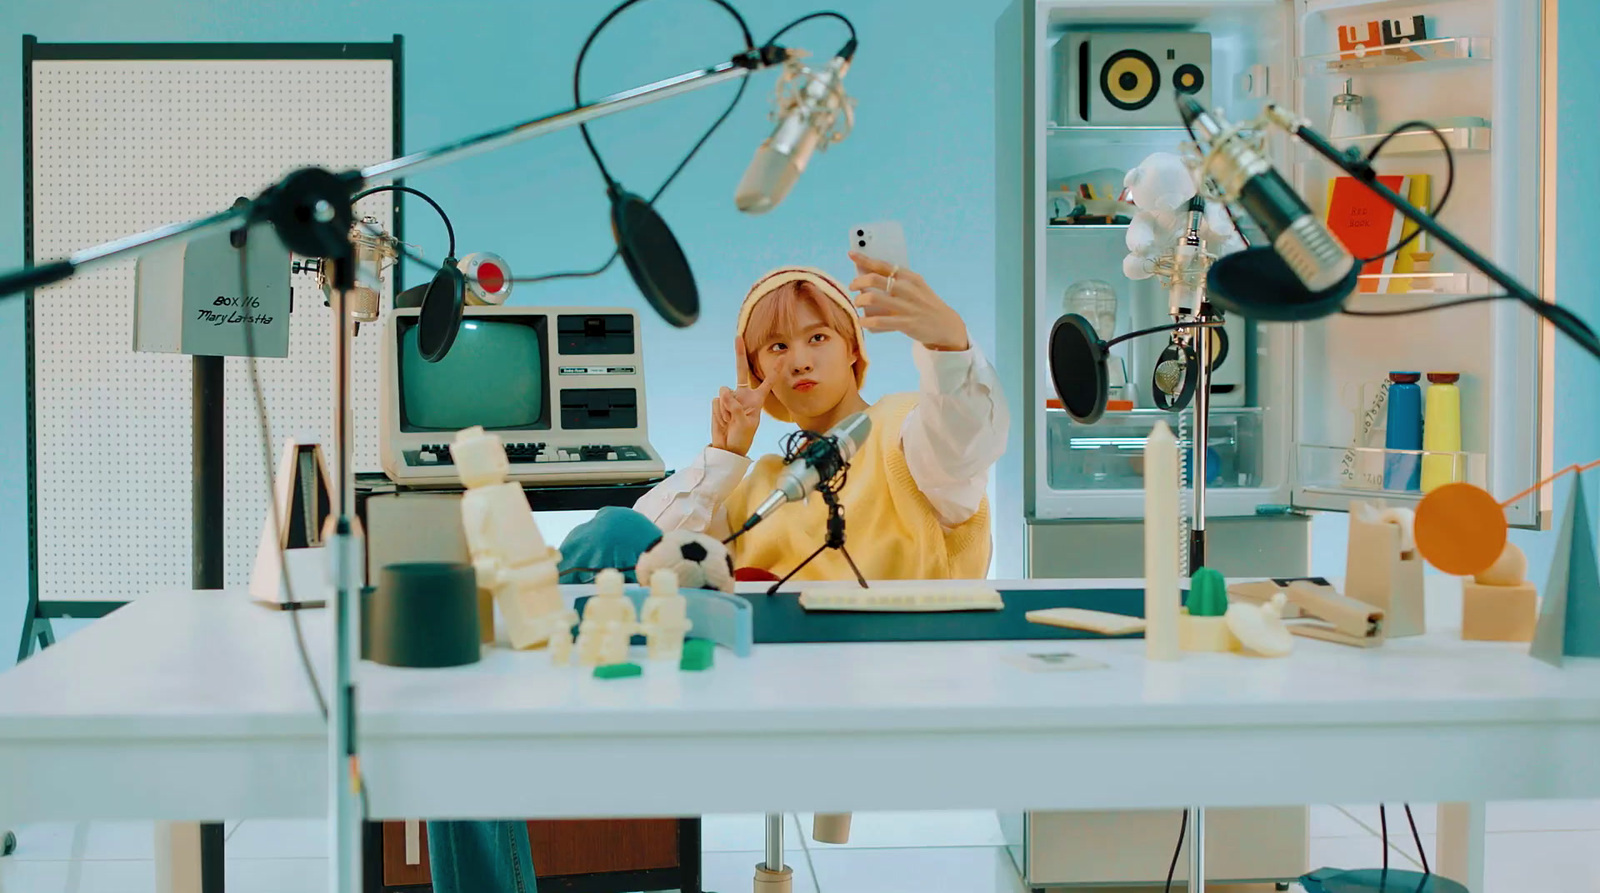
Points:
[(736, 414)]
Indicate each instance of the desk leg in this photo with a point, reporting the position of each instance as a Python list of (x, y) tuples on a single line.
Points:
[(1461, 843), (177, 857), (1197, 850), (772, 876), (213, 867)]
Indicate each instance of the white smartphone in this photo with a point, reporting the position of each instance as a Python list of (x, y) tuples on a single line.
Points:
[(885, 241)]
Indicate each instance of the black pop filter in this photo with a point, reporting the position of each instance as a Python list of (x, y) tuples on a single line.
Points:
[(1078, 368), (653, 256), (440, 317), (1256, 284)]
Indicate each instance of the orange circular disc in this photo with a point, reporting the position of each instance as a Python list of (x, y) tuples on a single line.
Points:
[(1460, 529)]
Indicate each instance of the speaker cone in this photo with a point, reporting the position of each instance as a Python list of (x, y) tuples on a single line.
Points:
[(1129, 80)]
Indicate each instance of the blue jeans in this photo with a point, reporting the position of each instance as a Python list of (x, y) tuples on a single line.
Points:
[(494, 856)]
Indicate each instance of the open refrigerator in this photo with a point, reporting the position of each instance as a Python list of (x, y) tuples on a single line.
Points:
[(1299, 422), (1298, 427)]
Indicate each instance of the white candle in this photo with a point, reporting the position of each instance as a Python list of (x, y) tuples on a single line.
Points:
[(1161, 544)]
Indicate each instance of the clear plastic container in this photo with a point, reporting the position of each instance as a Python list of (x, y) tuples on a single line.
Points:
[(1096, 301), (1109, 455)]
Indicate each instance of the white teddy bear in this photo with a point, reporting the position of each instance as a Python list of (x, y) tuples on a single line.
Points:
[(1161, 186)]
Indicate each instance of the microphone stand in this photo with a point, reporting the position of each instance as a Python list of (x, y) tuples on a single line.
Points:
[(1185, 276), (310, 210), (1184, 273), (834, 540)]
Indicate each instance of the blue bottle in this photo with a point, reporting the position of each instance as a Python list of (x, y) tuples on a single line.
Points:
[(1404, 432)]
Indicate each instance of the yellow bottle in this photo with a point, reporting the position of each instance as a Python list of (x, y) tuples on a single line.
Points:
[(1441, 431)]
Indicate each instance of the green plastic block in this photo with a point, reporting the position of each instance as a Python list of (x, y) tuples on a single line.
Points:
[(617, 671), (1208, 594), (697, 654)]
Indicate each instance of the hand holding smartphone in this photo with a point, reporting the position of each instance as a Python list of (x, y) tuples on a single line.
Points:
[(885, 241)]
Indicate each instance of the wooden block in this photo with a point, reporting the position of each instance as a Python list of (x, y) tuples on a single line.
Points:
[(1381, 572), (1102, 622), (773, 881), (831, 827), (485, 617), (1205, 634), (1498, 613)]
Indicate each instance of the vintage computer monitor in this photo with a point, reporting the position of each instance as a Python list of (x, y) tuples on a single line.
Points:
[(563, 387)]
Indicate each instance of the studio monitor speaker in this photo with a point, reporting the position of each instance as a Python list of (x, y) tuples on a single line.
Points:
[(1130, 77)]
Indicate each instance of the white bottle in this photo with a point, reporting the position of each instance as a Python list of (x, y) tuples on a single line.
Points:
[(1349, 114)]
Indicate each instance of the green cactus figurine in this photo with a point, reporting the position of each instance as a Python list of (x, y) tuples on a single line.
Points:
[(1208, 594)]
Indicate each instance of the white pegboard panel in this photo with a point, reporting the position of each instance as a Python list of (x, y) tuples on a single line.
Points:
[(124, 146)]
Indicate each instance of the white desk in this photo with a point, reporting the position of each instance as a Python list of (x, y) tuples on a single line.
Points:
[(192, 706)]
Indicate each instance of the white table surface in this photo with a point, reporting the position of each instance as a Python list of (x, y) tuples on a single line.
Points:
[(193, 706)]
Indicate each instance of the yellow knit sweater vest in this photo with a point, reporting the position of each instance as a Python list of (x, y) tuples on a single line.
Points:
[(891, 530)]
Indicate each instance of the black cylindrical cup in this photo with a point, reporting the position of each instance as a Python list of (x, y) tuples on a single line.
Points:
[(423, 614)]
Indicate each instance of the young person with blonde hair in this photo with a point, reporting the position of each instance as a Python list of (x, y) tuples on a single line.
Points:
[(914, 498)]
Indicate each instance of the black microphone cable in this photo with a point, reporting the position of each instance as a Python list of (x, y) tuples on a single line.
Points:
[(264, 428), (583, 128)]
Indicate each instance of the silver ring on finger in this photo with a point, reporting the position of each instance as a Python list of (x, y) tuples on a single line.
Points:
[(888, 286)]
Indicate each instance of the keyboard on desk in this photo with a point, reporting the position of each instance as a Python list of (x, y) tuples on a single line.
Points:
[(903, 597), (438, 454)]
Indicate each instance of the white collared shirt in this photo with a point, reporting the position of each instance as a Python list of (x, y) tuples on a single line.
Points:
[(951, 438)]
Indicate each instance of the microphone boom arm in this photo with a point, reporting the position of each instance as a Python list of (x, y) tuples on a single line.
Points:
[(312, 211), (1360, 168)]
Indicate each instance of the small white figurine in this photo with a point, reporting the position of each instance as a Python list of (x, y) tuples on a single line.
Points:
[(1260, 629), (609, 622), (665, 618), (559, 628), (510, 557)]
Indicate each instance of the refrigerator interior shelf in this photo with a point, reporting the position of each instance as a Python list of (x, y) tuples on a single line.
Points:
[(1468, 139), (1418, 284), (1407, 56), (1381, 473)]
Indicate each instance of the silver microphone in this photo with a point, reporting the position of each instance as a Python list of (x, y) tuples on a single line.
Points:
[(820, 460), (371, 246), (1317, 258), (813, 113)]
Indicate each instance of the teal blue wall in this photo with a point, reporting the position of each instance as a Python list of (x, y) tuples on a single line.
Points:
[(1577, 233), (923, 153)]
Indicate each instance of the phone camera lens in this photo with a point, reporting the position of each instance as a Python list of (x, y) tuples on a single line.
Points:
[(862, 244), (861, 232)]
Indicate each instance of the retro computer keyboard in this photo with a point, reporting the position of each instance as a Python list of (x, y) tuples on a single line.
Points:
[(534, 463)]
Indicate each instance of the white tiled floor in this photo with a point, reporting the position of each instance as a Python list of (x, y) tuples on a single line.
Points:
[(1532, 847)]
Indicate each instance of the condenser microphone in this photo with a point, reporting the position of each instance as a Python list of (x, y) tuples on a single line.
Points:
[(812, 112), (1307, 272), (819, 461)]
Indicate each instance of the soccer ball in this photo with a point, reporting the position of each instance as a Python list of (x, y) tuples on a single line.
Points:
[(699, 560)]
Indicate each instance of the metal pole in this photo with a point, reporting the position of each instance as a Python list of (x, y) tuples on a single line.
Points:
[(208, 562), (1202, 436), (1197, 849), (774, 841), (43, 274), (344, 813), (206, 518), (428, 159)]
